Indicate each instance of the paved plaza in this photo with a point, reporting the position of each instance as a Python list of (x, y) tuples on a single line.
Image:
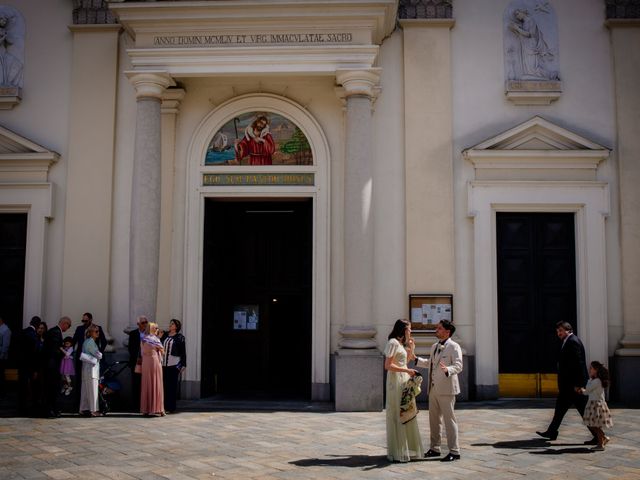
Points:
[(209, 440)]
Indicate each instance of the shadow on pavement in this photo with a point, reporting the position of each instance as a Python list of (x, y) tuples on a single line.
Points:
[(560, 451), (516, 444), (538, 446), (365, 462)]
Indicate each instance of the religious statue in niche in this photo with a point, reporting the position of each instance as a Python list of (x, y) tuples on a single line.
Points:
[(11, 47), (530, 38), (259, 138)]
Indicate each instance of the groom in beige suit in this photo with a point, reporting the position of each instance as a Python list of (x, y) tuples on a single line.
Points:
[(444, 364)]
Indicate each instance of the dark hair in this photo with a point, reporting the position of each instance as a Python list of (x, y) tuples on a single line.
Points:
[(601, 372), (68, 339), (88, 315), (566, 326), (398, 328), (35, 321), (177, 323), (44, 324), (450, 327)]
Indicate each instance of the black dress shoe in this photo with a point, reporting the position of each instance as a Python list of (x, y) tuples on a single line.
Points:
[(431, 453), (548, 434), (593, 441), (451, 457)]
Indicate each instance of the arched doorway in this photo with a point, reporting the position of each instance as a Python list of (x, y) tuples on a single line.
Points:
[(219, 195)]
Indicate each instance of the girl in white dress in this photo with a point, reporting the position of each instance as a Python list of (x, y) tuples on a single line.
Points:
[(596, 414), (403, 440)]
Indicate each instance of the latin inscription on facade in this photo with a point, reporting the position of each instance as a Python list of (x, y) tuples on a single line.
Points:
[(237, 179), (252, 39)]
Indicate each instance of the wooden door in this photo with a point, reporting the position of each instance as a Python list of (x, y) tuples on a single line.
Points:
[(257, 298), (536, 289)]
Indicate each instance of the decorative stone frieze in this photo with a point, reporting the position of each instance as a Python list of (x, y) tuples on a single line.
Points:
[(91, 12), (419, 9), (622, 8)]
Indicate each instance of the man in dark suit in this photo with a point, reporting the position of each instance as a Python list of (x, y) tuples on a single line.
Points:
[(27, 365), (134, 354), (572, 374), (52, 356), (78, 340)]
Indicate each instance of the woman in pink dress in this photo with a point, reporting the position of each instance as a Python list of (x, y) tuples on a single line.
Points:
[(151, 391)]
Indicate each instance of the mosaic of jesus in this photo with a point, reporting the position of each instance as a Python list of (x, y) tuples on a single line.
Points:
[(258, 138)]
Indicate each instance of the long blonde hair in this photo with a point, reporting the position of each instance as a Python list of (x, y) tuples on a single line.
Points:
[(92, 328), (151, 326)]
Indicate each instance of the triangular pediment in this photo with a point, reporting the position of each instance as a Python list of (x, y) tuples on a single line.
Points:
[(538, 134), (537, 143), (12, 144)]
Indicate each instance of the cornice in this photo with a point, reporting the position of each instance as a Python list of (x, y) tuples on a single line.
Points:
[(259, 59), (95, 28), (622, 23), (427, 23)]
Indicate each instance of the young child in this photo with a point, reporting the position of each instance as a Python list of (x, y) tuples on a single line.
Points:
[(596, 414), (67, 370)]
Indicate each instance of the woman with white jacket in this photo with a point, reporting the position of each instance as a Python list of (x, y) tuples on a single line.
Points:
[(90, 373)]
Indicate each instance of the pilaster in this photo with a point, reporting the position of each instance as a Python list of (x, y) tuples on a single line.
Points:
[(429, 155), (168, 285), (625, 31), (89, 184)]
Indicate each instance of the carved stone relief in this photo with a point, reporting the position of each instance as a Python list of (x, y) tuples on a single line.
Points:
[(530, 40), (12, 32)]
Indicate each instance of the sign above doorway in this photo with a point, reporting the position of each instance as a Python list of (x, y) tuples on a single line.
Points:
[(238, 179)]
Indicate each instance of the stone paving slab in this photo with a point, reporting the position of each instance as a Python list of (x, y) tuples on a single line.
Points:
[(498, 441)]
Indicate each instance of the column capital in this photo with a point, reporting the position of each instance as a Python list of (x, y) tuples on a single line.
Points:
[(171, 99), (150, 84), (358, 82)]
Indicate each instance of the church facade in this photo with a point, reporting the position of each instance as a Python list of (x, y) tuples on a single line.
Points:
[(289, 178)]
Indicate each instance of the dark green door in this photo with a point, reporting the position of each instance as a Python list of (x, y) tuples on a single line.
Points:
[(256, 316), (536, 288)]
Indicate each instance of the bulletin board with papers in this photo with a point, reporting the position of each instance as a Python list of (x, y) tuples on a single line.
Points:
[(427, 310), (246, 317)]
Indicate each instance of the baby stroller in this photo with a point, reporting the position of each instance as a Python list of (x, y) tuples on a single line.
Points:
[(109, 386)]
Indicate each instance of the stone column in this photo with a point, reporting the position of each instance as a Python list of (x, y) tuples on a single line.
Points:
[(626, 67), (358, 362), (144, 249)]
